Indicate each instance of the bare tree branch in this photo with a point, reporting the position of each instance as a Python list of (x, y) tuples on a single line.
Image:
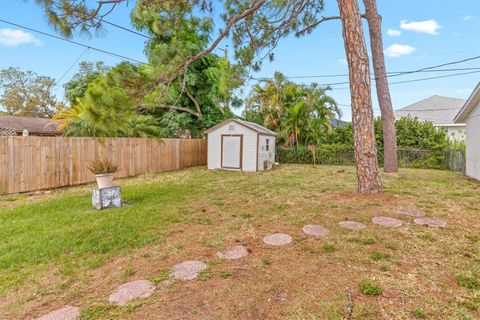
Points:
[(231, 22), (315, 24), (195, 102)]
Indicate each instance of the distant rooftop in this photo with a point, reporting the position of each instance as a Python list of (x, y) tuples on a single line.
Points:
[(436, 109), (35, 126)]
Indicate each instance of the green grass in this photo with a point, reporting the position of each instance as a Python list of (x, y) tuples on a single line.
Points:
[(377, 256), (419, 313), (329, 248), (469, 280), (68, 233), (369, 288), (54, 247)]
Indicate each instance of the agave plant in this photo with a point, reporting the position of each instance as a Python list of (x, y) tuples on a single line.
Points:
[(103, 166)]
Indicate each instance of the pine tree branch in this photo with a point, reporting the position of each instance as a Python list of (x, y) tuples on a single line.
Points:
[(315, 24)]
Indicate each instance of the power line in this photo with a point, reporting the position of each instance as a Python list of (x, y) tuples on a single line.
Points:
[(437, 77), (126, 29), (71, 41), (425, 69), (392, 72), (440, 65), (71, 67), (423, 79), (327, 84)]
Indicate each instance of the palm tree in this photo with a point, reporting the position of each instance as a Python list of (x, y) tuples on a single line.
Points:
[(269, 100), (300, 114)]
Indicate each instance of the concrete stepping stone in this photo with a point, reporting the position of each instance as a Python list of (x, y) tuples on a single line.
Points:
[(352, 225), (411, 212), (315, 230), (65, 313), (277, 239), (188, 270), (387, 222), (129, 291), (427, 221), (234, 253)]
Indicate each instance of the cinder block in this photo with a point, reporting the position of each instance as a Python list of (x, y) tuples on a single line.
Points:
[(107, 198)]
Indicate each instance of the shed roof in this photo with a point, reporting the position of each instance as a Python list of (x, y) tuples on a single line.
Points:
[(469, 105), (33, 125), (251, 125), (436, 109)]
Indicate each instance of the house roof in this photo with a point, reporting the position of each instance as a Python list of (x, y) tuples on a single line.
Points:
[(339, 123), (251, 125), (469, 105), (33, 125), (436, 109)]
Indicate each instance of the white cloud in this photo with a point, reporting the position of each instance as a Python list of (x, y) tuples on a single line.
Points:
[(468, 17), (427, 26), (15, 37), (394, 33), (342, 61), (397, 50)]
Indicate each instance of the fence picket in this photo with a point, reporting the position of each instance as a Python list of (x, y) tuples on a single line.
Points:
[(34, 163)]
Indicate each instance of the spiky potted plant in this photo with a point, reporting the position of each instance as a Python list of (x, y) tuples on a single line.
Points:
[(104, 170)]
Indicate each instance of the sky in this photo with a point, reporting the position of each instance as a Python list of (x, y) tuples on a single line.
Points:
[(416, 34)]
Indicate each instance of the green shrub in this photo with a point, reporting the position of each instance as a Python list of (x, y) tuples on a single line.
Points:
[(326, 154), (421, 145), (369, 288)]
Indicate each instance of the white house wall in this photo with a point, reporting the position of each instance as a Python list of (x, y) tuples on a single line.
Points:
[(473, 143), (249, 154), (262, 153), (454, 132)]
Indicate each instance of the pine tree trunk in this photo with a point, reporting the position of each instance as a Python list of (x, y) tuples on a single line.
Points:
[(383, 92), (366, 161)]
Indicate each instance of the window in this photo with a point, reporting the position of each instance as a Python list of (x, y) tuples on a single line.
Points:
[(267, 144), (231, 127)]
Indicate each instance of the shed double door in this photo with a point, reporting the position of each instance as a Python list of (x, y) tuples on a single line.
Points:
[(232, 151)]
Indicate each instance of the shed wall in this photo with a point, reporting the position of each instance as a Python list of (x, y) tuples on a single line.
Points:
[(473, 143), (263, 154), (249, 152)]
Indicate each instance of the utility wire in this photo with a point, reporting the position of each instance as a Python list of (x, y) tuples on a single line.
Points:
[(71, 67), (392, 72), (327, 84), (437, 77), (426, 69), (422, 79), (71, 41), (439, 65), (126, 29)]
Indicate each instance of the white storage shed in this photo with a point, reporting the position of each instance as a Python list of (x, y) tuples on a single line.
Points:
[(240, 145)]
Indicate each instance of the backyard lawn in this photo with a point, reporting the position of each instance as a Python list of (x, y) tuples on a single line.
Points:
[(56, 250)]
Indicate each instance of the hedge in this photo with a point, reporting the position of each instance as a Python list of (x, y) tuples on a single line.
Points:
[(339, 154), (326, 154)]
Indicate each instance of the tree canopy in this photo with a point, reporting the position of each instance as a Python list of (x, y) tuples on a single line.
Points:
[(88, 72), (301, 114), (110, 102), (25, 93)]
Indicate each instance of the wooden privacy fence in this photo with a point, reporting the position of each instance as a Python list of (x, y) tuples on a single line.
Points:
[(35, 163)]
